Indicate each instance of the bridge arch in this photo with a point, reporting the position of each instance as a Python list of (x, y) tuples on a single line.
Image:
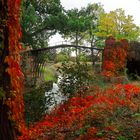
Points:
[(34, 60)]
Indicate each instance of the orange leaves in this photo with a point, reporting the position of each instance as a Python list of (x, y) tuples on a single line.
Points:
[(131, 89), (92, 131), (115, 54), (73, 114), (128, 90), (15, 100), (11, 61), (15, 73)]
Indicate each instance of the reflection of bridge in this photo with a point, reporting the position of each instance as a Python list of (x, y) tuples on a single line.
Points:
[(34, 60)]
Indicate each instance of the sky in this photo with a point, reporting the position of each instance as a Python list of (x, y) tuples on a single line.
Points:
[(131, 7)]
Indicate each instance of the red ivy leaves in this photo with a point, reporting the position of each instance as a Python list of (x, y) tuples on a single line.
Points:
[(115, 54), (15, 102)]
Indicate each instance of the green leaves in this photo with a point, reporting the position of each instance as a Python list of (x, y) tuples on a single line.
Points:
[(136, 116), (40, 20), (122, 138), (82, 130), (2, 94), (118, 24), (100, 134), (75, 76), (49, 74)]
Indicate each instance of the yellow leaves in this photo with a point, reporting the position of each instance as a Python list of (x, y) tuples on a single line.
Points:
[(118, 24)]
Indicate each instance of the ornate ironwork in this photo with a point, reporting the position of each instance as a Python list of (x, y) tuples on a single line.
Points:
[(35, 60)]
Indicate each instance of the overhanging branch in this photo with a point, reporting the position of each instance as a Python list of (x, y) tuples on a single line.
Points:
[(40, 30)]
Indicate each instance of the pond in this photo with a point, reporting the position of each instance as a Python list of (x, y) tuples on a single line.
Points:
[(54, 97)]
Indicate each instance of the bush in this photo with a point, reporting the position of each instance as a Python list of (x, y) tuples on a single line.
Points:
[(35, 103), (83, 57), (61, 57), (49, 74), (74, 77)]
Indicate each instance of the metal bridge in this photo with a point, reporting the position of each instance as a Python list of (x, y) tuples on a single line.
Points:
[(65, 44), (35, 60)]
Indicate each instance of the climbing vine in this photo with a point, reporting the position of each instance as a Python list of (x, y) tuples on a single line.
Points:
[(15, 99), (115, 54)]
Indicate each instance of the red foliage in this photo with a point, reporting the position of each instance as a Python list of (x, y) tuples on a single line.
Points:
[(71, 116), (114, 55), (92, 130), (15, 100)]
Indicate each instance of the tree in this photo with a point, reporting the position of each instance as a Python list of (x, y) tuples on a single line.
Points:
[(41, 19), (82, 24), (11, 77), (76, 25), (117, 24), (93, 12)]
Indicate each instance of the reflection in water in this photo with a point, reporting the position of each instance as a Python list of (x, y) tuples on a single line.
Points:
[(54, 96)]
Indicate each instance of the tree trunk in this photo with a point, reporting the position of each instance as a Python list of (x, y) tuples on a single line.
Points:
[(7, 130), (76, 42), (92, 53)]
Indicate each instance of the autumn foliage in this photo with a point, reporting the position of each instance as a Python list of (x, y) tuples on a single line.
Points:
[(15, 100), (114, 56), (79, 111), (78, 115)]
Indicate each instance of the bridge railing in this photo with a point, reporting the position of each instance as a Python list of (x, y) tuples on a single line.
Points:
[(59, 43), (34, 61), (68, 43)]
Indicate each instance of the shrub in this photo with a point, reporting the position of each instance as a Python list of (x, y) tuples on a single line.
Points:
[(106, 115), (74, 77), (35, 103), (83, 57), (61, 57)]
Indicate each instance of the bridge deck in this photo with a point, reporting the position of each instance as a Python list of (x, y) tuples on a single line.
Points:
[(67, 46)]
